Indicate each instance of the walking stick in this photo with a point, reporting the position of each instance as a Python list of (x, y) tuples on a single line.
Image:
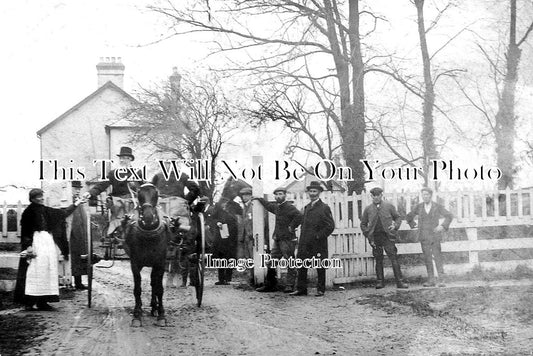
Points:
[(89, 256)]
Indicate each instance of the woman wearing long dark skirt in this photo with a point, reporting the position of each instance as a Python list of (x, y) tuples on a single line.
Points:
[(42, 228)]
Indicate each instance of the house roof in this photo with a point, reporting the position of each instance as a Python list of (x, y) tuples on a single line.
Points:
[(108, 85), (120, 123)]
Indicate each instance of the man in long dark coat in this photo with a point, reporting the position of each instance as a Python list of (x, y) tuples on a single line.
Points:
[(317, 225), (42, 228), (430, 232), (222, 216), (245, 247), (78, 240), (380, 223)]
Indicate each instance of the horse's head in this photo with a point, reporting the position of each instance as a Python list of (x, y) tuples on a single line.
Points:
[(148, 196), (233, 187)]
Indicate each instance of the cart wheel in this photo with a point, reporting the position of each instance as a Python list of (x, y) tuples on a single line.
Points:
[(201, 262)]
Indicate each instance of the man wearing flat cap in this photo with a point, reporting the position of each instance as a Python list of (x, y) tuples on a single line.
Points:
[(123, 197), (317, 225), (288, 218), (380, 223), (245, 248), (246, 237)]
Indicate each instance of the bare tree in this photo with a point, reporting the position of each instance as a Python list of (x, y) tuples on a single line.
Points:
[(299, 31), (501, 121), (424, 90), (308, 119), (505, 119), (189, 118)]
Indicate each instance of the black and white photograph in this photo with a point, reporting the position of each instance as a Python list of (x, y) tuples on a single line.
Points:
[(266, 177)]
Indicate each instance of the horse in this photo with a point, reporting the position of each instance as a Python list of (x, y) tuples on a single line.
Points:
[(231, 189), (146, 241)]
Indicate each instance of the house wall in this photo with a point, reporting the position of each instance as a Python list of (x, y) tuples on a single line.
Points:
[(80, 137)]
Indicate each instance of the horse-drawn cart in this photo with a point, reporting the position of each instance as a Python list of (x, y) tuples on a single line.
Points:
[(112, 245)]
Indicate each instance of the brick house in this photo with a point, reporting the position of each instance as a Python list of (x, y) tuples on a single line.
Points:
[(91, 129)]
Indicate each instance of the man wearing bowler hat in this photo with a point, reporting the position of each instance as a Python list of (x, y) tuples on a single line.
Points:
[(78, 239), (288, 218), (123, 197), (380, 223), (317, 225)]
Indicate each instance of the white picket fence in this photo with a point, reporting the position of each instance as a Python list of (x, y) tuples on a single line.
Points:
[(471, 209), (11, 234)]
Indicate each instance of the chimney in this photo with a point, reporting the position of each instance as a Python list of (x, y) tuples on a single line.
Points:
[(175, 83), (175, 90), (110, 69)]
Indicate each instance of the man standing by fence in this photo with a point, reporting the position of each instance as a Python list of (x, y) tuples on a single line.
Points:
[(288, 218), (317, 225), (246, 236), (430, 232), (380, 223)]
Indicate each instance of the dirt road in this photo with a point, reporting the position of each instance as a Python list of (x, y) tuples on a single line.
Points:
[(458, 319)]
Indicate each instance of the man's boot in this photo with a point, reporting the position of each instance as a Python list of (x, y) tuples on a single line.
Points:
[(78, 284), (251, 281), (431, 274), (398, 274), (430, 282), (271, 282), (380, 283), (221, 277)]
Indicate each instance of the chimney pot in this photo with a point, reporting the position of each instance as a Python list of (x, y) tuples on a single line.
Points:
[(108, 69)]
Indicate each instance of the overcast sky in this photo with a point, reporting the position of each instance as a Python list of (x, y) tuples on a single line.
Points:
[(50, 49)]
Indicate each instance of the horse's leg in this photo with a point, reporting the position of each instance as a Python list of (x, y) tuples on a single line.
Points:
[(157, 290), (137, 311), (153, 302)]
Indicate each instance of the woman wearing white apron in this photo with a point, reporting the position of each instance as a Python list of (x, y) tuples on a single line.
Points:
[(42, 228)]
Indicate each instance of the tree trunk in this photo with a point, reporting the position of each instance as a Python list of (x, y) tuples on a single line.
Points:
[(354, 142), (505, 117), (429, 150), (352, 113)]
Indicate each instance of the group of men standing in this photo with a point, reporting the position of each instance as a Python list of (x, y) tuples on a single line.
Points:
[(380, 222), (316, 223)]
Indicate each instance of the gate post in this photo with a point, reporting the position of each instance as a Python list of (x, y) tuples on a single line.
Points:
[(258, 224)]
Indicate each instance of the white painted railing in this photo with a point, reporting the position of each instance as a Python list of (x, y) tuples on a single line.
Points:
[(471, 209), (13, 234)]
